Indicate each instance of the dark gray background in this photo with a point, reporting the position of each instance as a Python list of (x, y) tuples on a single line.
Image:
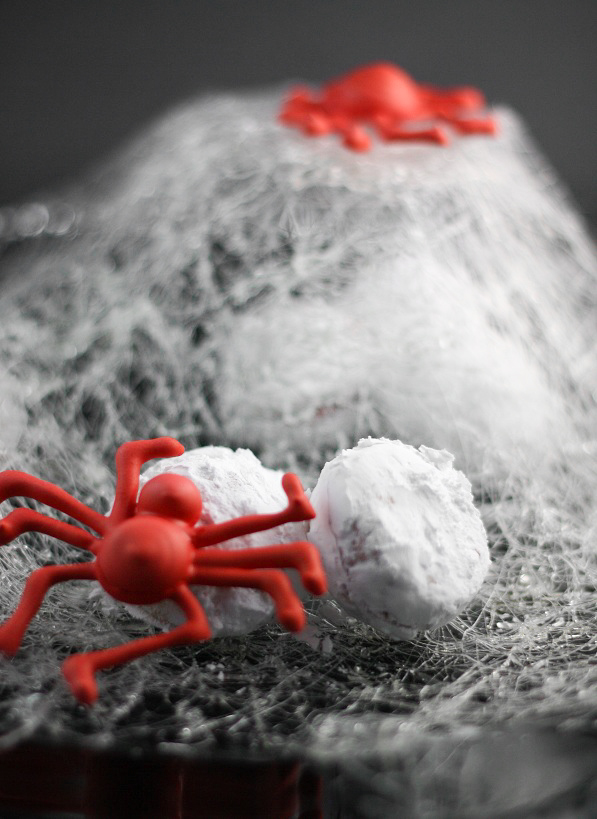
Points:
[(78, 76)]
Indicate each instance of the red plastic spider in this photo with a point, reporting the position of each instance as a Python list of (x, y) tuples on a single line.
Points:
[(149, 549), (387, 98)]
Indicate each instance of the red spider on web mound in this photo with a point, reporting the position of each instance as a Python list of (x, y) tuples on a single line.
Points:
[(150, 549), (387, 98)]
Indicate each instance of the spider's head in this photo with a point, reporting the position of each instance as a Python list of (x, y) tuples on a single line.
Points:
[(171, 496), (465, 99)]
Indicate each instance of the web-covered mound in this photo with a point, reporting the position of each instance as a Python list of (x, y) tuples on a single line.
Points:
[(232, 283)]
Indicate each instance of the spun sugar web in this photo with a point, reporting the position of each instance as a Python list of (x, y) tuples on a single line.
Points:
[(230, 282)]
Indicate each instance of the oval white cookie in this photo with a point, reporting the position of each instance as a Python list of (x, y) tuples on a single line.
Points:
[(402, 543)]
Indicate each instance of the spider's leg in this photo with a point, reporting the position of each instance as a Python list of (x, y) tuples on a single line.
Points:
[(309, 117), (38, 583), (289, 608), (297, 108), (300, 555), (450, 99), (302, 110), (130, 457), (26, 520), (354, 136), (306, 113), (79, 669), (464, 125), (298, 509), (393, 132), (14, 483)]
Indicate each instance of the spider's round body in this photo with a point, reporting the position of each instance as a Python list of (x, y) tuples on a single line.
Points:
[(144, 559), (372, 90), (384, 89)]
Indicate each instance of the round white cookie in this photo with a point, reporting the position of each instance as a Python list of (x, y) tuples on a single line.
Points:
[(403, 545), (232, 484)]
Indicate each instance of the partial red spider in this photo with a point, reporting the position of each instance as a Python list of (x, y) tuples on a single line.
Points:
[(149, 549), (386, 97)]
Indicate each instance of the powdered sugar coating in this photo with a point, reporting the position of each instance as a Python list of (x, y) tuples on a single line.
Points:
[(403, 545), (232, 483)]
